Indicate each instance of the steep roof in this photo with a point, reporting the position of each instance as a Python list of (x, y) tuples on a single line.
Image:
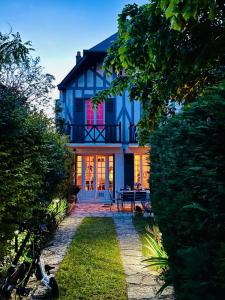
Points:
[(104, 45), (90, 55)]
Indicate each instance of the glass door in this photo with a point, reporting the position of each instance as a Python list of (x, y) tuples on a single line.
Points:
[(95, 122), (141, 171), (96, 172)]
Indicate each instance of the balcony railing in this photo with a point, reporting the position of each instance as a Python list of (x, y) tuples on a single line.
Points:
[(91, 133), (133, 134)]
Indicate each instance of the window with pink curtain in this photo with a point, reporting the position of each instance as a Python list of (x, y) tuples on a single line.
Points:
[(100, 115), (89, 113), (94, 116)]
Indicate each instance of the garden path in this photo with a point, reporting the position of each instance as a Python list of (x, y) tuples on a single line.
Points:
[(141, 283)]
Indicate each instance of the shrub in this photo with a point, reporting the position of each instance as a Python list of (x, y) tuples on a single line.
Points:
[(33, 165), (188, 194)]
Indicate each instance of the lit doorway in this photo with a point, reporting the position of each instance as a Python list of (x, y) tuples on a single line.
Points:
[(95, 176)]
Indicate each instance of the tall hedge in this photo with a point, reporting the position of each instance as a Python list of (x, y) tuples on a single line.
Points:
[(188, 197), (33, 165)]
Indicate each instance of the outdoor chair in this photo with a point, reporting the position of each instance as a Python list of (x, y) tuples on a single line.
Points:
[(140, 196), (128, 197)]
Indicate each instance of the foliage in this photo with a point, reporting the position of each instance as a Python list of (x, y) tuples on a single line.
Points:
[(12, 49), (56, 212), (34, 162), (162, 66), (92, 268), (140, 224), (182, 12), (152, 248), (28, 80), (157, 255), (188, 191), (59, 119)]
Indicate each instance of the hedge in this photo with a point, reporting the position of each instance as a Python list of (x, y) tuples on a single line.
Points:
[(34, 165), (188, 197)]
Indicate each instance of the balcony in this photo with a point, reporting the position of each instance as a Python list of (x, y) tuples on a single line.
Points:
[(133, 134), (91, 133)]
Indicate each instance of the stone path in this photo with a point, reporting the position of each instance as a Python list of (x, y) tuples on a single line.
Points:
[(141, 283), (54, 254)]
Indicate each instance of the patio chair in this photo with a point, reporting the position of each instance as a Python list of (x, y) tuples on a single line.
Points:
[(140, 196), (128, 196)]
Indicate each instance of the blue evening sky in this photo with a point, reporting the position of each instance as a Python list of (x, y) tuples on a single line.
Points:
[(58, 29)]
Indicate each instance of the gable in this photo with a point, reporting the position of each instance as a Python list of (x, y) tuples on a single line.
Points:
[(91, 57)]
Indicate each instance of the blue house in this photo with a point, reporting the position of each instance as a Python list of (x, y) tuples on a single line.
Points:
[(107, 154)]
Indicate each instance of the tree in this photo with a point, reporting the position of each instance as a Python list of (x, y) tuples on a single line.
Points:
[(34, 161), (162, 65), (12, 49), (181, 12), (22, 73), (28, 79)]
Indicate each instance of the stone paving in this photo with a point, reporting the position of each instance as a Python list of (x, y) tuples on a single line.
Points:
[(55, 252), (142, 284)]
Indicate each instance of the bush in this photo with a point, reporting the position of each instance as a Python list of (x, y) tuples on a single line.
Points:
[(188, 194), (33, 165)]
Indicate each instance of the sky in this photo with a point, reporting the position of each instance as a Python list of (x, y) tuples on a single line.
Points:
[(60, 28)]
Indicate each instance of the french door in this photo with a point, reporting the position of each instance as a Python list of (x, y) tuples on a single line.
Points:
[(95, 122), (95, 176)]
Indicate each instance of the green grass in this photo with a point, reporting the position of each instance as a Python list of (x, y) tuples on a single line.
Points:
[(92, 268)]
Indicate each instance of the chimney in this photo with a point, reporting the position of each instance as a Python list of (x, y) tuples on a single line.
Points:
[(78, 57)]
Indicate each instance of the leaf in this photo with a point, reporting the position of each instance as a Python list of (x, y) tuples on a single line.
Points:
[(175, 24), (196, 206), (172, 9), (163, 4)]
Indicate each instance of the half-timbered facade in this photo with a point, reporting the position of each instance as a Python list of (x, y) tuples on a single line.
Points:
[(104, 140)]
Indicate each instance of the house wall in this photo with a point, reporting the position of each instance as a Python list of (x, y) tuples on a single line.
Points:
[(86, 85)]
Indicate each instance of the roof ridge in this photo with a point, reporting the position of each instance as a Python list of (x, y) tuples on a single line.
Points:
[(105, 44)]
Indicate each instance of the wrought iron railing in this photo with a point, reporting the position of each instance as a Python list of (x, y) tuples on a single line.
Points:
[(133, 134), (92, 133)]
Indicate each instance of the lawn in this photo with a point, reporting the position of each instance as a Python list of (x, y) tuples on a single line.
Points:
[(92, 268)]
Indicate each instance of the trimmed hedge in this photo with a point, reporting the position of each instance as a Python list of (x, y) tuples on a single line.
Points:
[(34, 166), (188, 197)]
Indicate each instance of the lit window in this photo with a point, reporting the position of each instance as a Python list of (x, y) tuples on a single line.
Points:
[(111, 173), (101, 164), (89, 173), (79, 171), (141, 171), (94, 116)]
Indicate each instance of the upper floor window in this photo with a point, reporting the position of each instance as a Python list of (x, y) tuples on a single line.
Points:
[(94, 116)]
